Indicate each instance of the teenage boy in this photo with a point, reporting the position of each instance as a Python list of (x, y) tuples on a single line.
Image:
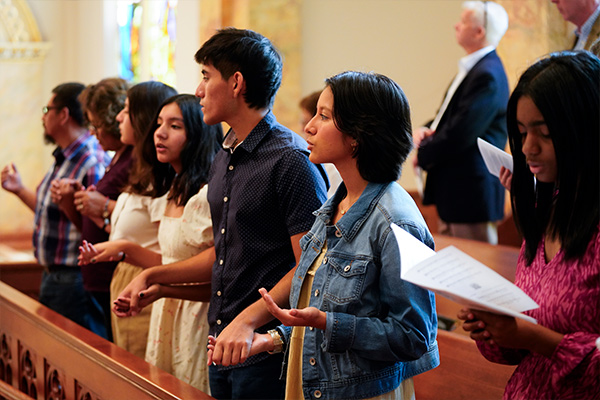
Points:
[(262, 192)]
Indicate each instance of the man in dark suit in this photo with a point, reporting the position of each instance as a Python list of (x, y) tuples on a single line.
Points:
[(468, 198)]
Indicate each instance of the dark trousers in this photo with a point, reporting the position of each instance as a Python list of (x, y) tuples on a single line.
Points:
[(62, 291), (255, 381)]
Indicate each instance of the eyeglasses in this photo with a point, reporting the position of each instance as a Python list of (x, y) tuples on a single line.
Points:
[(46, 109)]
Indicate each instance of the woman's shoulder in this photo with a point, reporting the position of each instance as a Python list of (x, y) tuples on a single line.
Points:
[(399, 208), (197, 204)]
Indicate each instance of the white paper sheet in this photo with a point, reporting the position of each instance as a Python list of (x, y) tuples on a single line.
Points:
[(494, 158), (459, 277)]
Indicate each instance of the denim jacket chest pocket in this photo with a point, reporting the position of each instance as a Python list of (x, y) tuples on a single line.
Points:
[(344, 279)]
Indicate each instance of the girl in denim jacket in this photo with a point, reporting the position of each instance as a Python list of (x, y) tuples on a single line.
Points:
[(355, 329)]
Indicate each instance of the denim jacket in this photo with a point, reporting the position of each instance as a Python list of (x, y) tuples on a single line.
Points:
[(380, 329)]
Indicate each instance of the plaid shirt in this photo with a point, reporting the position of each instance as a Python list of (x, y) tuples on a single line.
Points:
[(55, 238)]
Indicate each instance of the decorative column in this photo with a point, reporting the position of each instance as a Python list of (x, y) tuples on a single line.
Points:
[(22, 56)]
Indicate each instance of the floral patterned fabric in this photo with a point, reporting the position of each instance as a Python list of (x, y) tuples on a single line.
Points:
[(179, 328)]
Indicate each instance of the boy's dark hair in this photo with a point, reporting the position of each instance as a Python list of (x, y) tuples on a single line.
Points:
[(253, 55)]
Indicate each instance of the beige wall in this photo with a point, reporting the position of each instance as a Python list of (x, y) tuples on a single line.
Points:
[(412, 41)]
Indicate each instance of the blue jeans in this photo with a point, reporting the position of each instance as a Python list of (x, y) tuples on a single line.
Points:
[(62, 291), (255, 381)]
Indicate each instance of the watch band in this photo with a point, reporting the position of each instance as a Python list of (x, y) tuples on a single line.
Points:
[(105, 213), (277, 341)]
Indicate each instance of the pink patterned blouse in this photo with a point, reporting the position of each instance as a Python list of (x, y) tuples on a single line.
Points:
[(568, 293)]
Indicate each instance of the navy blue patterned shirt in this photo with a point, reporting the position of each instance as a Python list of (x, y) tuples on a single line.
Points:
[(260, 195)]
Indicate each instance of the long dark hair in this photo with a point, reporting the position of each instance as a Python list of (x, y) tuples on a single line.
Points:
[(202, 143), (144, 101), (565, 88)]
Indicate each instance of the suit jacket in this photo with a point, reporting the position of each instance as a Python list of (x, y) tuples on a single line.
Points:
[(458, 182), (593, 36)]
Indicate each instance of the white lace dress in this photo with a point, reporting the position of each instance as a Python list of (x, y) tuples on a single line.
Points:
[(179, 328)]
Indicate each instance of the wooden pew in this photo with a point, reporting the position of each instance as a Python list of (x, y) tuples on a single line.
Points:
[(463, 372), (47, 356), (18, 239), (18, 267), (24, 276)]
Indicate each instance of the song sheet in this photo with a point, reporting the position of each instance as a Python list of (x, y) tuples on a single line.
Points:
[(459, 277), (494, 157)]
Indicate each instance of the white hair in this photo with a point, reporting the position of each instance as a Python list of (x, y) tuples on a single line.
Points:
[(492, 16)]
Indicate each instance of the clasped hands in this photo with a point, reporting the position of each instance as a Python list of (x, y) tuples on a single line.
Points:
[(137, 295), (509, 332), (87, 201), (238, 341)]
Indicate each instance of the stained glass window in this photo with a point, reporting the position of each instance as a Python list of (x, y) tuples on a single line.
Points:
[(147, 37)]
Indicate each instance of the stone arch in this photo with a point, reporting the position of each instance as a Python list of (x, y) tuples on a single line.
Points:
[(19, 34)]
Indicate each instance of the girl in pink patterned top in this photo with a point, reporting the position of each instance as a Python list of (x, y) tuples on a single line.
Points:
[(553, 123)]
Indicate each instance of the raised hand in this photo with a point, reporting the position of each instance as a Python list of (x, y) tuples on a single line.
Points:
[(310, 316), (11, 179)]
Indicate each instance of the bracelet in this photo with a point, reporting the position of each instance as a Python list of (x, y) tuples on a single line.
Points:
[(105, 213), (277, 341), (123, 257)]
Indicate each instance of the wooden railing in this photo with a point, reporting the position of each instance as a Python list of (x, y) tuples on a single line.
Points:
[(46, 356), (18, 267)]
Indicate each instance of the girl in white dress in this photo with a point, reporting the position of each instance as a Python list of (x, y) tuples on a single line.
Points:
[(180, 153)]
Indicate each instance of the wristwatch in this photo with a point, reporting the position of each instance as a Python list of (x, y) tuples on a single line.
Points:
[(277, 341), (106, 214)]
